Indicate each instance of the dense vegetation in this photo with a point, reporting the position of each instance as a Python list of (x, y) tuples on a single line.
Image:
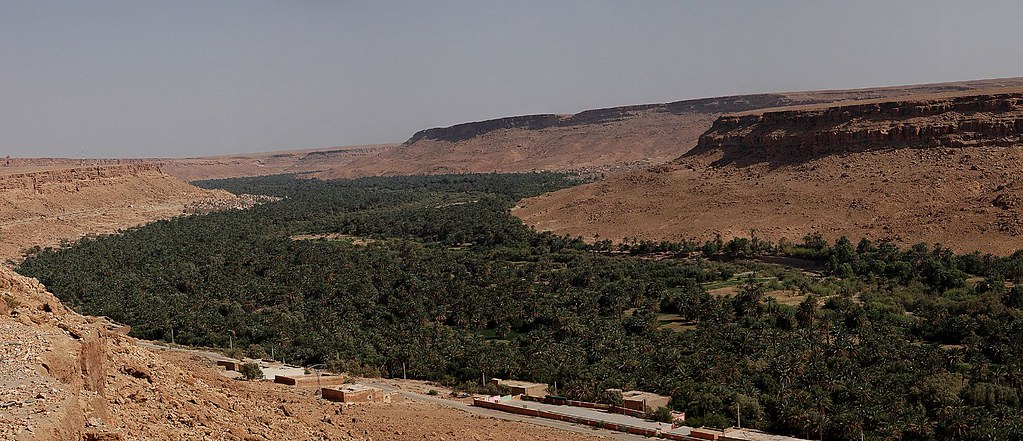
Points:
[(431, 273)]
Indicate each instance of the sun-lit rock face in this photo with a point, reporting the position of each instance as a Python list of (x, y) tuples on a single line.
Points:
[(792, 135)]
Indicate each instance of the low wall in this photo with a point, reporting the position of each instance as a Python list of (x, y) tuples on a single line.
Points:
[(586, 404), (310, 380), (577, 420)]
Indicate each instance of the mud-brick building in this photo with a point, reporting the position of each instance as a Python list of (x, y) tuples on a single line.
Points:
[(355, 393), (644, 401), (522, 387)]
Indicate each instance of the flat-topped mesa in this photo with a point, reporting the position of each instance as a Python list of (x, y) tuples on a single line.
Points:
[(77, 176), (9, 162), (464, 131), (805, 133)]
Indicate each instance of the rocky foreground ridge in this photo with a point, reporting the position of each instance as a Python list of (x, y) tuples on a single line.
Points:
[(800, 134), (64, 376)]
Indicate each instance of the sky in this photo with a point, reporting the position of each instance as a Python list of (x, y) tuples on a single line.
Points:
[(144, 78)]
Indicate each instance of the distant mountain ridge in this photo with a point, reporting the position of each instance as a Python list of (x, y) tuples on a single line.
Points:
[(608, 140), (464, 131)]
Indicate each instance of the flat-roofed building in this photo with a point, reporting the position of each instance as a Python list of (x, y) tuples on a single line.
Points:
[(644, 401), (355, 393), (522, 387), (753, 435), (310, 380)]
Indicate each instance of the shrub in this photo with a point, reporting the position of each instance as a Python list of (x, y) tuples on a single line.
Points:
[(432, 392), (251, 371), (610, 396), (662, 414), (234, 353)]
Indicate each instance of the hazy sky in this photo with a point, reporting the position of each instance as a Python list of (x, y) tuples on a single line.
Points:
[(179, 78)]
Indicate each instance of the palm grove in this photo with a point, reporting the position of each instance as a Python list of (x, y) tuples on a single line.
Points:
[(432, 274)]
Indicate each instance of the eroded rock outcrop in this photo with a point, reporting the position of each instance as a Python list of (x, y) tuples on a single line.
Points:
[(801, 134), (74, 177)]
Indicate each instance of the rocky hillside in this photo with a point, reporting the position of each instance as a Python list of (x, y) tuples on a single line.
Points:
[(42, 207), (68, 377), (602, 140), (934, 168)]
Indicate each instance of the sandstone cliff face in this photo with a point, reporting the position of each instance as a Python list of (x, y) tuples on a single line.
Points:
[(52, 180), (798, 135)]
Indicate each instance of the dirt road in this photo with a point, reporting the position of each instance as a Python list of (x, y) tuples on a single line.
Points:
[(468, 408)]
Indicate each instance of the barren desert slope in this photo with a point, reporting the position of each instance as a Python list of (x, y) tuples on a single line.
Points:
[(52, 203), (600, 140), (941, 167)]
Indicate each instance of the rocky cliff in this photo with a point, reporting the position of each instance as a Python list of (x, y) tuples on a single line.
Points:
[(801, 134), (77, 178)]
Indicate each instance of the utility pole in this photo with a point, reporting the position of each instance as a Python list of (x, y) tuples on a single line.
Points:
[(738, 415), (403, 376)]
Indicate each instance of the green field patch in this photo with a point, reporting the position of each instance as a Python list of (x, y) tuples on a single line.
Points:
[(335, 237), (675, 322)]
